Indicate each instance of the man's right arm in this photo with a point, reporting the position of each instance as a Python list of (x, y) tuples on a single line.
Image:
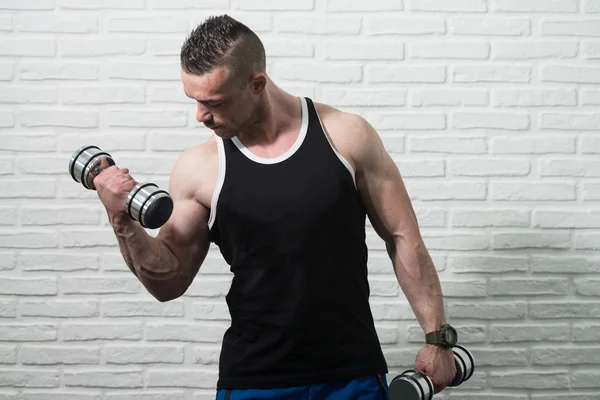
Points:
[(167, 264)]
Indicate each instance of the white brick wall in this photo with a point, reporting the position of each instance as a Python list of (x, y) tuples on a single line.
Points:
[(490, 109)]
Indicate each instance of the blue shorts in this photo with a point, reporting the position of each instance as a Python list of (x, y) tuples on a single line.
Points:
[(367, 388)]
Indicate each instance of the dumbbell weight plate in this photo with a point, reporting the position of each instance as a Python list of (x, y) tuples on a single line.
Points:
[(149, 205), (84, 165), (411, 385), (464, 358)]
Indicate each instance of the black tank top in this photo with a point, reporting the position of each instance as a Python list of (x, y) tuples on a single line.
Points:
[(292, 229)]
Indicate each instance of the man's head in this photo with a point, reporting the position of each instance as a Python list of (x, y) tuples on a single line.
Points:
[(223, 69)]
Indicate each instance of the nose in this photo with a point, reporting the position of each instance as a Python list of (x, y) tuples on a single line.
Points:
[(203, 114)]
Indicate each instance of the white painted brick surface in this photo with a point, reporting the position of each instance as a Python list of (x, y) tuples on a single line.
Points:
[(489, 108)]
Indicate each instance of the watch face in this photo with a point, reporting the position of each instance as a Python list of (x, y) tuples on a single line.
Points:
[(450, 335)]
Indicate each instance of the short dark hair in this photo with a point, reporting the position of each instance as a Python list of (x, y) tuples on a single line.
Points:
[(221, 41)]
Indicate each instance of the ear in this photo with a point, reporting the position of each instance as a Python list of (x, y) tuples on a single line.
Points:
[(258, 82)]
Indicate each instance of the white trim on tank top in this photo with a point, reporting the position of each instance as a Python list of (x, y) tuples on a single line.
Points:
[(220, 180), (290, 152)]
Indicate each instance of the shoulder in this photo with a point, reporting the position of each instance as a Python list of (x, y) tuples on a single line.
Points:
[(195, 171), (351, 134)]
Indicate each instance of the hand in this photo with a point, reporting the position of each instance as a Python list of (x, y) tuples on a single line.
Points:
[(438, 364), (113, 185)]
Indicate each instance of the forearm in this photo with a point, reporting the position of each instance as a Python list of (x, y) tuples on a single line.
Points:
[(148, 258), (419, 281)]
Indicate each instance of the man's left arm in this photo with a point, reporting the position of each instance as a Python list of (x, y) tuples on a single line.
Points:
[(391, 213)]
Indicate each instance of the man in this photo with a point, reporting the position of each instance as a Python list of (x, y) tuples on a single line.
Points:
[(283, 188)]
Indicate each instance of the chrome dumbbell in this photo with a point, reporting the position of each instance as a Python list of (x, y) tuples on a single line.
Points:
[(415, 385), (146, 203)]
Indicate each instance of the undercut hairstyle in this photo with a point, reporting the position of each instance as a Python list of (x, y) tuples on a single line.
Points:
[(221, 41)]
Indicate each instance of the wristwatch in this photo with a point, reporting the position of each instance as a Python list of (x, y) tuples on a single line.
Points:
[(446, 336)]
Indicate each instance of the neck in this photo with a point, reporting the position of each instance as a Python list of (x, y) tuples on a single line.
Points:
[(275, 113)]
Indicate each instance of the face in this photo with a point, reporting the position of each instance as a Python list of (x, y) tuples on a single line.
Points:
[(222, 106)]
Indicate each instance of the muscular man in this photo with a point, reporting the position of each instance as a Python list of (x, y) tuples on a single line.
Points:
[(283, 188)]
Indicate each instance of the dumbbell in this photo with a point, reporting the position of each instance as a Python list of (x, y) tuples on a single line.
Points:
[(415, 385), (146, 203)]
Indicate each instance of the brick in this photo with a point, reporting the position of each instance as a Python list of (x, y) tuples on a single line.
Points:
[(29, 378), (28, 240), (407, 121), (185, 331), (468, 6), (59, 308), (18, 94), (7, 167), (485, 264), (564, 309), (456, 241), (147, 118), (584, 379), (101, 331), (488, 310), (529, 287), (586, 241), (6, 23), (288, 48), (587, 27), (58, 395), (464, 288), (466, 333), (393, 142), (501, 333), (149, 164), (96, 47), (7, 119), (210, 311), (8, 308), (570, 121), (27, 5), (591, 6), (58, 118), (538, 144), (590, 97), (527, 240), (41, 165), (88, 238), (529, 380), (564, 265), (534, 97), (491, 73), (98, 4), (140, 354), (564, 219), (6, 71), (172, 141), (140, 308), (570, 74), (587, 287), (58, 216), (405, 74), (168, 94), (103, 95), (446, 190), (25, 47), (28, 286), (364, 97), (188, 4), (500, 357), (146, 395), (99, 285), (108, 142), (44, 355), (566, 167), (58, 70), (44, 261), (103, 378), (56, 23), (448, 144), (447, 49), (550, 6), (9, 215), (448, 97), (357, 5), (209, 287), (144, 71), (591, 191), (8, 354), (590, 50), (532, 191), (488, 167), (206, 355), (182, 378), (469, 218), (585, 332), (364, 50), (421, 168), (27, 188), (403, 26), (165, 46), (491, 120), (382, 288), (28, 332), (493, 26), (147, 25), (390, 311)]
